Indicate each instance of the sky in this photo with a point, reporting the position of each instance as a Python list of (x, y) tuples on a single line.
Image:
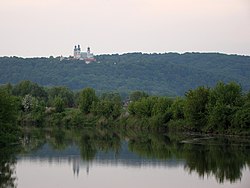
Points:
[(30, 28)]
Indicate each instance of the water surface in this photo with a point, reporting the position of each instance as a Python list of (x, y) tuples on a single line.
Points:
[(102, 158)]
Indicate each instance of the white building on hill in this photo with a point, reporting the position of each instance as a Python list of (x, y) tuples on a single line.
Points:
[(88, 57)]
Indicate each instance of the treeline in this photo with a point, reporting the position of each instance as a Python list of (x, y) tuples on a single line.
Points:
[(169, 74), (34, 102), (28, 104), (223, 109)]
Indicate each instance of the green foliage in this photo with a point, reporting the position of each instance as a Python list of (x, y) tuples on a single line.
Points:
[(224, 100), (7, 87), (109, 106), (29, 88), (228, 94), (56, 120), (111, 97), (162, 105), (241, 119), (222, 109), (156, 109), (73, 118), (34, 111), (216, 110), (59, 104), (64, 93), (38, 113), (219, 118), (69, 118), (156, 122), (195, 110), (137, 95), (247, 97), (156, 74), (143, 107), (177, 108), (8, 108), (105, 108), (9, 131), (86, 98)]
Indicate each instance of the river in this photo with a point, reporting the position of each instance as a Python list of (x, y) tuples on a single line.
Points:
[(106, 158)]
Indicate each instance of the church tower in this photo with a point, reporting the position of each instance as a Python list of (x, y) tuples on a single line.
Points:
[(78, 52), (75, 52), (88, 52)]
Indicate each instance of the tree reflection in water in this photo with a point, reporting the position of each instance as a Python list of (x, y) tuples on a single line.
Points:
[(223, 158), (7, 166), (225, 162)]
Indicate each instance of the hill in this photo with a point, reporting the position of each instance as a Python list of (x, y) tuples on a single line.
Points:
[(164, 74)]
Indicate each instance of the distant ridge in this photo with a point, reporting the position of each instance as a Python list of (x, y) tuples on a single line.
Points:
[(163, 74)]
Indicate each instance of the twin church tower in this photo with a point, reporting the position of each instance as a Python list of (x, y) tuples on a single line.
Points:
[(88, 57)]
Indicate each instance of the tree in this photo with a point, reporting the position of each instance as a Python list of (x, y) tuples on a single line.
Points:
[(162, 105), (38, 112), (7, 87), (86, 98), (195, 109), (143, 107), (27, 103), (9, 131), (64, 93), (137, 95), (219, 119), (177, 108), (224, 100), (241, 119), (229, 94), (29, 88), (59, 104), (160, 74), (34, 110), (109, 105)]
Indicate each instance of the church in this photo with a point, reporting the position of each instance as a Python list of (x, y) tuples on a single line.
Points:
[(88, 57)]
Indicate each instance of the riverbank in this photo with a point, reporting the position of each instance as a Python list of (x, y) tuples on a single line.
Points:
[(224, 109)]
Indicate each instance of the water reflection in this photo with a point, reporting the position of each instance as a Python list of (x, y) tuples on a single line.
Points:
[(7, 166), (224, 162), (222, 158)]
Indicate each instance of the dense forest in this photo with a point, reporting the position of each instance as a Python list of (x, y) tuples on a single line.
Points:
[(223, 109), (169, 74)]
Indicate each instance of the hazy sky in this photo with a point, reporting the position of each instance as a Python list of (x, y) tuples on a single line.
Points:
[(53, 27)]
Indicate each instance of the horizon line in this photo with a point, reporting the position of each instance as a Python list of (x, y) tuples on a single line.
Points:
[(134, 52)]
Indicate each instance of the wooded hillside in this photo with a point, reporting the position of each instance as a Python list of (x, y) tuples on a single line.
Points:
[(164, 74)]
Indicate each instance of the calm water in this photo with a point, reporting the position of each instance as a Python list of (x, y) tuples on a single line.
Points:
[(103, 158)]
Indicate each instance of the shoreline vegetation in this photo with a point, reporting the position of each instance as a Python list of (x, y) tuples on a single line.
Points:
[(223, 109)]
